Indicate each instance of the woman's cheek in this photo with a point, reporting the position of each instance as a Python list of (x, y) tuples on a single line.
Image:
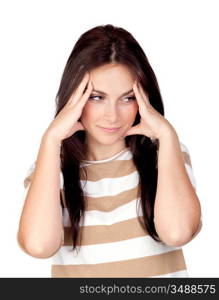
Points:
[(86, 110), (89, 113), (131, 115)]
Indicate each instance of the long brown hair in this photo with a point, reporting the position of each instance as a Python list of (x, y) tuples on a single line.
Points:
[(96, 47)]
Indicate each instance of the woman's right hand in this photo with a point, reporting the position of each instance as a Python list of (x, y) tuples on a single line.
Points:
[(66, 122)]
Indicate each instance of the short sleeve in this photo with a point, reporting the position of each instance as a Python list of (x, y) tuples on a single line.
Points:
[(188, 164)]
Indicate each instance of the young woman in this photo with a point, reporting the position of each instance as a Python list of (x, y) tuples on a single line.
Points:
[(111, 177)]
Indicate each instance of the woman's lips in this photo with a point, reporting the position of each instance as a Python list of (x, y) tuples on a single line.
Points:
[(109, 129)]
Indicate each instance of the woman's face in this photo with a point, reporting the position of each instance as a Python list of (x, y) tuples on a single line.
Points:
[(111, 104)]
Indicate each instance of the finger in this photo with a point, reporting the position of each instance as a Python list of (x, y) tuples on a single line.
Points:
[(133, 130), (143, 94), (138, 97), (83, 83), (76, 95), (87, 93)]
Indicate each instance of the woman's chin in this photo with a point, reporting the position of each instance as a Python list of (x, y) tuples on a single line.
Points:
[(106, 138), (109, 140)]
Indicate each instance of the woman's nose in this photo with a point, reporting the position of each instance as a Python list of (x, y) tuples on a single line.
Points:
[(111, 113)]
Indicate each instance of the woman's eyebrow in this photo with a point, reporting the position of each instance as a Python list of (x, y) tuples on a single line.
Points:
[(123, 94)]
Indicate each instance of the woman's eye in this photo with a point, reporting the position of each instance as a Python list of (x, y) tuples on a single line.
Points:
[(92, 97), (131, 97)]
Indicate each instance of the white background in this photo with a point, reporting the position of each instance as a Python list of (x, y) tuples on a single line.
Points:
[(180, 39)]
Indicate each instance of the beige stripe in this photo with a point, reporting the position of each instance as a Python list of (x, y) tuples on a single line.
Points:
[(98, 234), (186, 158), (109, 203), (113, 169), (28, 180), (155, 265)]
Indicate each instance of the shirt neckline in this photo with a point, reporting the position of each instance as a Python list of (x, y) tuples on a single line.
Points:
[(107, 159)]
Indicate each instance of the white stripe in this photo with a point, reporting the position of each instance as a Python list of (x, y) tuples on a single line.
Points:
[(110, 186), (66, 218), (184, 148), (109, 252), (96, 217), (187, 166), (31, 168), (190, 174), (61, 180), (182, 273)]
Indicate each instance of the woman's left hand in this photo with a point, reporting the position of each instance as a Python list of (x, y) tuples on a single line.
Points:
[(152, 123)]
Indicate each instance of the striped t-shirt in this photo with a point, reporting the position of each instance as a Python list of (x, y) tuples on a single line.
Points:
[(114, 243)]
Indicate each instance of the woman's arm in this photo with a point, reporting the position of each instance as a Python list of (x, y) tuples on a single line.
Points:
[(177, 210), (40, 226)]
